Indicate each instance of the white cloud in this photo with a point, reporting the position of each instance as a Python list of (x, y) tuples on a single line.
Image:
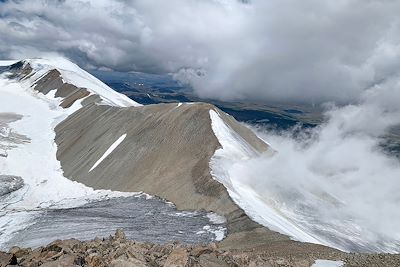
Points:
[(336, 183), (266, 50)]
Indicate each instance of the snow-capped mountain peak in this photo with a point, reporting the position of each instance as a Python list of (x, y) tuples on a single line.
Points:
[(68, 80)]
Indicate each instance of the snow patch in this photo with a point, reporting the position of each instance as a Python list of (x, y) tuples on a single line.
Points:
[(327, 263), (215, 218), (219, 232), (109, 151)]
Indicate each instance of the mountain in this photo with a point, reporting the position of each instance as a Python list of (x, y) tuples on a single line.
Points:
[(69, 140)]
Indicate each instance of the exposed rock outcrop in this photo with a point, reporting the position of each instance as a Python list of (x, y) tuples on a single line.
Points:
[(117, 251)]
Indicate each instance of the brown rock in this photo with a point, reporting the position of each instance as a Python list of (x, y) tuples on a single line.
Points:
[(13, 249), (178, 258), (65, 261), (197, 251), (119, 235), (136, 252), (210, 260), (5, 258), (95, 261), (128, 263)]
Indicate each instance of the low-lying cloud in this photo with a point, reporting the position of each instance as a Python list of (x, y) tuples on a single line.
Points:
[(335, 182), (312, 51)]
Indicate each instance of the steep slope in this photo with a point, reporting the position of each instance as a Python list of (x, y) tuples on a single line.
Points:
[(165, 151)]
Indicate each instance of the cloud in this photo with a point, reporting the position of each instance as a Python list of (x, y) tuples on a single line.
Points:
[(334, 182), (264, 50)]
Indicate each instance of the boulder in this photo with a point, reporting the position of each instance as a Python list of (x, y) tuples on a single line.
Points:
[(178, 258)]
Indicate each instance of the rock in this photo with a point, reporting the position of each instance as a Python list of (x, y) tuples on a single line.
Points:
[(13, 260), (128, 263), (95, 261), (22, 252), (213, 246), (119, 235), (65, 261), (178, 258), (197, 251), (19, 252), (13, 249), (53, 247), (210, 260), (136, 253), (5, 258)]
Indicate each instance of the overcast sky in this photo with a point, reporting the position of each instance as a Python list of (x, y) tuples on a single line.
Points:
[(286, 50)]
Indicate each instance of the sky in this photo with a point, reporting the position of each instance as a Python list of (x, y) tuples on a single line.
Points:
[(276, 50)]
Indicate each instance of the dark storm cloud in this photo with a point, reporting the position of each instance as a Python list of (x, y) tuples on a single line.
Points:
[(267, 50)]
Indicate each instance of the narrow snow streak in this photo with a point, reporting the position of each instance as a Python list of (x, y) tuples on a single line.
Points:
[(109, 151)]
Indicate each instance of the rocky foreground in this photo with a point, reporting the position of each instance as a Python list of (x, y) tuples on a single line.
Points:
[(118, 251)]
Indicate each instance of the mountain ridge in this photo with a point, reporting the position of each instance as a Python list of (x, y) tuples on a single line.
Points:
[(166, 152)]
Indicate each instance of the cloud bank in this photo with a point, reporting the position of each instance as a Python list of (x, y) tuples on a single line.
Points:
[(333, 182), (288, 50)]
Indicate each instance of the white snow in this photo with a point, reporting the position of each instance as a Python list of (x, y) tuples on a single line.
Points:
[(216, 218), (7, 62), (219, 233), (177, 106), (327, 263), (36, 162), (235, 149), (73, 74), (109, 151)]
